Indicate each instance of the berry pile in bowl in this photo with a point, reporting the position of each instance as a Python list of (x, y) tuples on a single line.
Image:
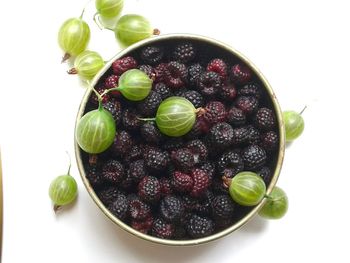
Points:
[(179, 139)]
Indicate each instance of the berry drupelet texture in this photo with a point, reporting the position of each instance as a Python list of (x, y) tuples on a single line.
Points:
[(184, 52), (265, 119), (130, 120), (182, 182), (253, 156), (183, 159), (149, 189), (137, 170), (148, 107), (223, 206), (156, 160), (163, 90), (113, 171), (122, 143), (152, 54), (175, 74), (209, 83), (162, 229), (247, 104), (230, 163), (195, 98), (194, 72), (269, 141), (119, 207), (201, 182), (218, 66), (240, 74), (151, 134), (124, 64), (171, 208), (220, 136), (109, 195), (215, 112), (199, 226)]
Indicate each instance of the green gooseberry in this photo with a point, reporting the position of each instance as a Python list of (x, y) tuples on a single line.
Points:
[(276, 205), (87, 64), (294, 125)]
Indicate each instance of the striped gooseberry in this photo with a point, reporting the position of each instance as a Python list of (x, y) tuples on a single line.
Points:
[(276, 205), (109, 8), (293, 124), (87, 64)]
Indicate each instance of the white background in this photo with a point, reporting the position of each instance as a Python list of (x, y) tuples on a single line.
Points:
[(302, 47)]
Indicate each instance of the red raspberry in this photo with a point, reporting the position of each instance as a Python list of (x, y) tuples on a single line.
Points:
[(228, 92), (200, 182), (143, 226), (219, 66), (160, 71), (123, 64), (240, 74), (111, 81), (175, 74), (182, 182), (215, 112)]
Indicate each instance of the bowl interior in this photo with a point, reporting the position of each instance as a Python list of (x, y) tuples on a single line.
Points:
[(208, 49)]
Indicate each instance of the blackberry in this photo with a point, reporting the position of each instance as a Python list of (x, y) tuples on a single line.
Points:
[(218, 66), (228, 92), (265, 119), (115, 108), (250, 89), (269, 141), (219, 187), (209, 83), (143, 226), (100, 90), (149, 70), (199, 128), (151, 134), (209, 168), (240, 74), (127, 183), (122, 143), (150, 104), (220, 136), (162, 229), (199, 226), (182, 182), (171, 208), (113, 171), (130, 120), (149, 189), (180, 92), (123, 64), (173, 143), (111, 81), (183, 159), (198, 149), (134, 154), (215, 112), (253, 134), (156, 160), (265, 173), (190, 203), (240, 135), (139, 210), (194, 72), (230, 163), (119, 207), (200, 182), (137, 170), (253, 156), (152, 55), (160, 72), (195, 98), (184, 52), (162, 90), (165, 186), (247, 104), (93, 175), (109, 195), (236, 117), (175, 75), (223, 206)]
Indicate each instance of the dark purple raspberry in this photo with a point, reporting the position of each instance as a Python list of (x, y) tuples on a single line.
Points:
[(143, 226), (139, 210), (162, 90), (122, 143), (152, 54), (251, 89), (137, 170), (209, 168), (183, 159), (175, 75), (182, 182), (156, 160), (115, 108), (111, 81), (130, 120), (228, 92), (148, 107), (184, 52), (240, 74), (265, 173), (149, 70), (149, 189), (265, 119), (200, 182), (198, 149), (209, 83), (269, 141), (195, 98), (199, 226), (236, 117), (223, 206), (135, 153), (162, 229), (94, 98), (218, 66), (173, 143), (123, 64), (171, 208), (215, 112), (119, 207), (199, 128), (253, 135), (194, 72), (160, 72), (165, 186), (93, 174), (230, 163), (247, 104), (109, 195), (113, 171), (220, 136), (253, 156), (151, 134), (240, 135)]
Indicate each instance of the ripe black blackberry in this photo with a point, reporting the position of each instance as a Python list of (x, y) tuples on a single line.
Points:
[(248, 104), (151, 134), (195, 98), (163, 90), (218, 66), (240, 135), (156, 160), (223, 207), (149, 189), (253, 135), (253, 156), (172, 143), (148, 107), (220, 136), (149, 70), (181, 182), (180, 92), (184, 52), (265, 173), (127, 184), (152, 55), (228, 92), (138, 210), (93, 174), (251, 89), (265, 119), (269, 141), (137, 170), (175, 75), (162, 229), (209, 168), (122, 143), (199, 226), (113, 172), (119, 207), (214, 112), (230, 163), (160, 72), (183, 159), (236, 117), (135, 153), (171, 208), (115, 108), (194, 71), (108, 195), (130, 120), (209, 83), (198, 149)]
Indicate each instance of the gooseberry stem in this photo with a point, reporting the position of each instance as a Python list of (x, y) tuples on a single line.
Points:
[(146, 119), (303, 110), (82, 12), (70, 163), (56, 208), (97, 21)]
